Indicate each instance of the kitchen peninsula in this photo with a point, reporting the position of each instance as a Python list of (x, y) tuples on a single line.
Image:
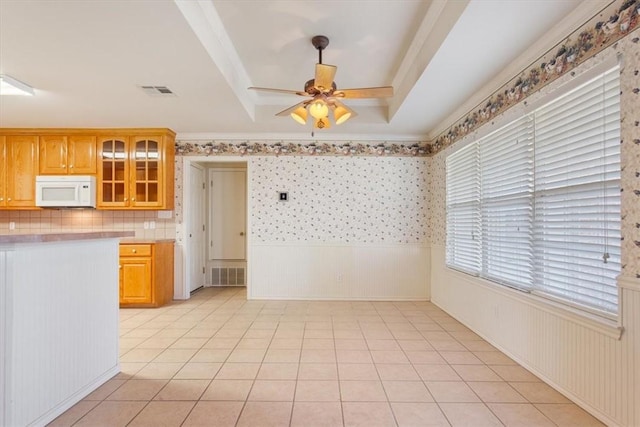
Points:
[(58, 321)]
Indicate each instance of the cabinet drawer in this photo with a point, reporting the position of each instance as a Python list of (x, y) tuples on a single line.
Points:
[(135, 250)]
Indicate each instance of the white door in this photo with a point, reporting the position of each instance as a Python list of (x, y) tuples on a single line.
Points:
[(228, 214), (196, 232)]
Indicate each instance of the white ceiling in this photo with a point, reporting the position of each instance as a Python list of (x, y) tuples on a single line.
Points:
[(86, 59)]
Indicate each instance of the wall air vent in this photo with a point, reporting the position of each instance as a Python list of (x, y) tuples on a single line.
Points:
[(227, 276), (157, 90)]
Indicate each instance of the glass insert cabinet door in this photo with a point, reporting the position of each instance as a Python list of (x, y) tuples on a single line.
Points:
[(114, 172), (147, 173), (131, 172)]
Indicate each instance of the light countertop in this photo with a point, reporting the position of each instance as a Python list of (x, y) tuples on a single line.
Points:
[(62, 237)]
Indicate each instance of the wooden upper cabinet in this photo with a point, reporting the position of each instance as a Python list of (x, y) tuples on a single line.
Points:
[(136, 171), (3, 171), (21, 170), (62, 155)]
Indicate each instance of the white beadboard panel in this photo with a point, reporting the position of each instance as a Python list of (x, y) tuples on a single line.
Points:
[(338, 271), (61, 314), (592, 365)]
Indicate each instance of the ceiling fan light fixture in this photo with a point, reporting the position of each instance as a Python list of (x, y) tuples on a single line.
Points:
[(318, 109), (300, 115), (342, 114), (322, 123)]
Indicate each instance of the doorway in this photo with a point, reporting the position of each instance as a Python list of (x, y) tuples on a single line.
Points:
[(196, 227), (227, 261), (191, 249)]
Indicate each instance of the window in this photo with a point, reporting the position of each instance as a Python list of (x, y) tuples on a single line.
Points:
[(536, 204)]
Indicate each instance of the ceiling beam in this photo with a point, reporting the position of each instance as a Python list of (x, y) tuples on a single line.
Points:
[(440, 18), (202, 17)]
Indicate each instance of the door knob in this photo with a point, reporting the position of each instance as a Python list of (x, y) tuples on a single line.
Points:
[(242, 233)]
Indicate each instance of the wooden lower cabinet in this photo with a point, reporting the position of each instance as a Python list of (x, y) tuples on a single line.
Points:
[(146, 274)]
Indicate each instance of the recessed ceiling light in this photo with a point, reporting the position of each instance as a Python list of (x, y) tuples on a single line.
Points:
[(11, 86)]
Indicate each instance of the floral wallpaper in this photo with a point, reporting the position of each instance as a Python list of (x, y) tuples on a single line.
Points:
[(628, 49), (614, 22), (339, 200)]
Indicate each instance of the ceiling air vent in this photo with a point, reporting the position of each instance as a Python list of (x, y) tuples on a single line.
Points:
[(157, 91)]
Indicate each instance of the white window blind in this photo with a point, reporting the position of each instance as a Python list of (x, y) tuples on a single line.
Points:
[(506, 165), (463, 203), (577, 195), (536, 204)]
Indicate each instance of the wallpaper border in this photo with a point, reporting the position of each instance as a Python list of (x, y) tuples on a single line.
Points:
[(591, 38)]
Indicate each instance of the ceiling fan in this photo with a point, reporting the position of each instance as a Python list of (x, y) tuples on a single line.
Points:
[(323, 94)]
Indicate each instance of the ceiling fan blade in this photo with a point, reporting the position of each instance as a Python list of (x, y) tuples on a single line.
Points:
[(268, 89), (365, 92), (290, 110), (324, 76)]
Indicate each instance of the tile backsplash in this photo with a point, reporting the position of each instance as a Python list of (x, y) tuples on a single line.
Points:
[(79, 220)]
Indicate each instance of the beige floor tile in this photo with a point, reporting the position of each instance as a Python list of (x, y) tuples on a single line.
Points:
[(129, 369), (498, 392), (436, 373), (137, 390), (317, 391), (494, 358), (163, 414), (469, 415), (477, 345), (286, 343), (259, 333), (367, 414), (351, 344), (389, 356), (425, 358), (568, 415), (353, 356), (451, 391), (397, 372), (265, 414), (182, 390), (211, 355), (318, 344), (476, 373), (447, 345), (105, 390), (383, 345), (171, 332), (198, 371), (141, 355), (253, 343), (520, 415), (407, 391), (460, 358), (214, 414), (362, 391), (357, 371), (415, 345), (316, 414), (221, 343), (278, 371), (318, 333), (419, 414), (514, 373), (175, 355), (158, 371), (274, 355), (73, 414), (318, 371), (318, 356), (273, 391), (247, 355), (111, 414), (156, 342), (539, 392), (227, 390), (348, 334)]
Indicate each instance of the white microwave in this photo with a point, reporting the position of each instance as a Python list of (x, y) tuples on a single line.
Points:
[(66, 191)]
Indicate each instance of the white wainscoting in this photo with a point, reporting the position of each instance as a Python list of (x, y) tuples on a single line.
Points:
[(59, 316), (338, 271), (590, 364)]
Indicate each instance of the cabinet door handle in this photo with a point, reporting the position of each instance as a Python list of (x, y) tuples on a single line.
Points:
[(119, 266), (9, 199), (71, 166), (1, 199), (134, 251), (133, 199), (125, 199)]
